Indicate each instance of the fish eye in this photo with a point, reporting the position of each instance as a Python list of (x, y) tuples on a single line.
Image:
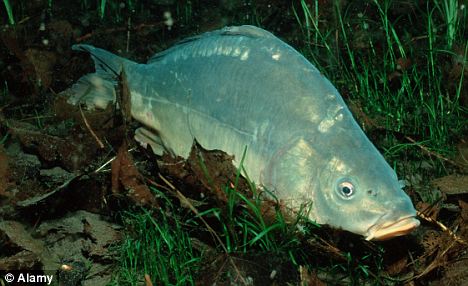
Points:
[(346, 189)]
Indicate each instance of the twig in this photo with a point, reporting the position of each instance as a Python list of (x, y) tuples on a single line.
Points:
[(105, 164), (186, 203), (425, 149), (110, 161), (434, 262), (99, 142), (443, 227)]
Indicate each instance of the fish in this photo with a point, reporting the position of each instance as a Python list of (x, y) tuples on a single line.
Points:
[(242, 89)]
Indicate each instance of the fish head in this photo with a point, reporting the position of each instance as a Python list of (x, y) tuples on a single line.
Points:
[(359, 192), (346, 185)]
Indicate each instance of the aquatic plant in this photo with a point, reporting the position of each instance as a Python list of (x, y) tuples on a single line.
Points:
[(402, 88), (449, 10), (9, 10), (160, 249)]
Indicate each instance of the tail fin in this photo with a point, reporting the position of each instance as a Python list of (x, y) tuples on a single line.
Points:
[(97, 89)]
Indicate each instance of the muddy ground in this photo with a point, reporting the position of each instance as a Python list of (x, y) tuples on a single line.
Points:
[(61, 191)]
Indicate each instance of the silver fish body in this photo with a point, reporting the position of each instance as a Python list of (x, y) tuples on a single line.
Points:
[(242, 87)]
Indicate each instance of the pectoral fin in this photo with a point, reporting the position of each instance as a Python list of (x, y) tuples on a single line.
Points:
[(147, 137)]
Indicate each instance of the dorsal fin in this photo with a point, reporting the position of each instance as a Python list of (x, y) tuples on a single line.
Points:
[(245, 31)]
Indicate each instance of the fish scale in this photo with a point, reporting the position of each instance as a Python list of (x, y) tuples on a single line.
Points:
[(242, 88)]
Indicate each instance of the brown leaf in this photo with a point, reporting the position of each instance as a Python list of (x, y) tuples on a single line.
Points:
[(214, 169), (78, 236), (22, 260), (19, 236), (398, 266), (73, 152), (431, 241), (308, 278), (123, 97), (125, 173), (452, 184), (43, 62)]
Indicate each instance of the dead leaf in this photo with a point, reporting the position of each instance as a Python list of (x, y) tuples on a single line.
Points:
[(452, 184), (398, 266), (455, 274), (43, 62), (309, 278), (124, 173), (22, 260), (123, 97), (213, 169), (79, 237), (18, 236), (74, 152), (46, 199), (82, 225)]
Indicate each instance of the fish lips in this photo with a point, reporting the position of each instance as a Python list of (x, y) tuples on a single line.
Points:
[(386, 228)]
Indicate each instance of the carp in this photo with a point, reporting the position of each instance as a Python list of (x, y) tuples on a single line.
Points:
[(242, 88)]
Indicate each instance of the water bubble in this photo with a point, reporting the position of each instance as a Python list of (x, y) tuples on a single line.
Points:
[(273, 274), (168, 21)]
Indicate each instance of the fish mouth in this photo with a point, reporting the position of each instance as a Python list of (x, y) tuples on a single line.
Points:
[(390, 229)]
